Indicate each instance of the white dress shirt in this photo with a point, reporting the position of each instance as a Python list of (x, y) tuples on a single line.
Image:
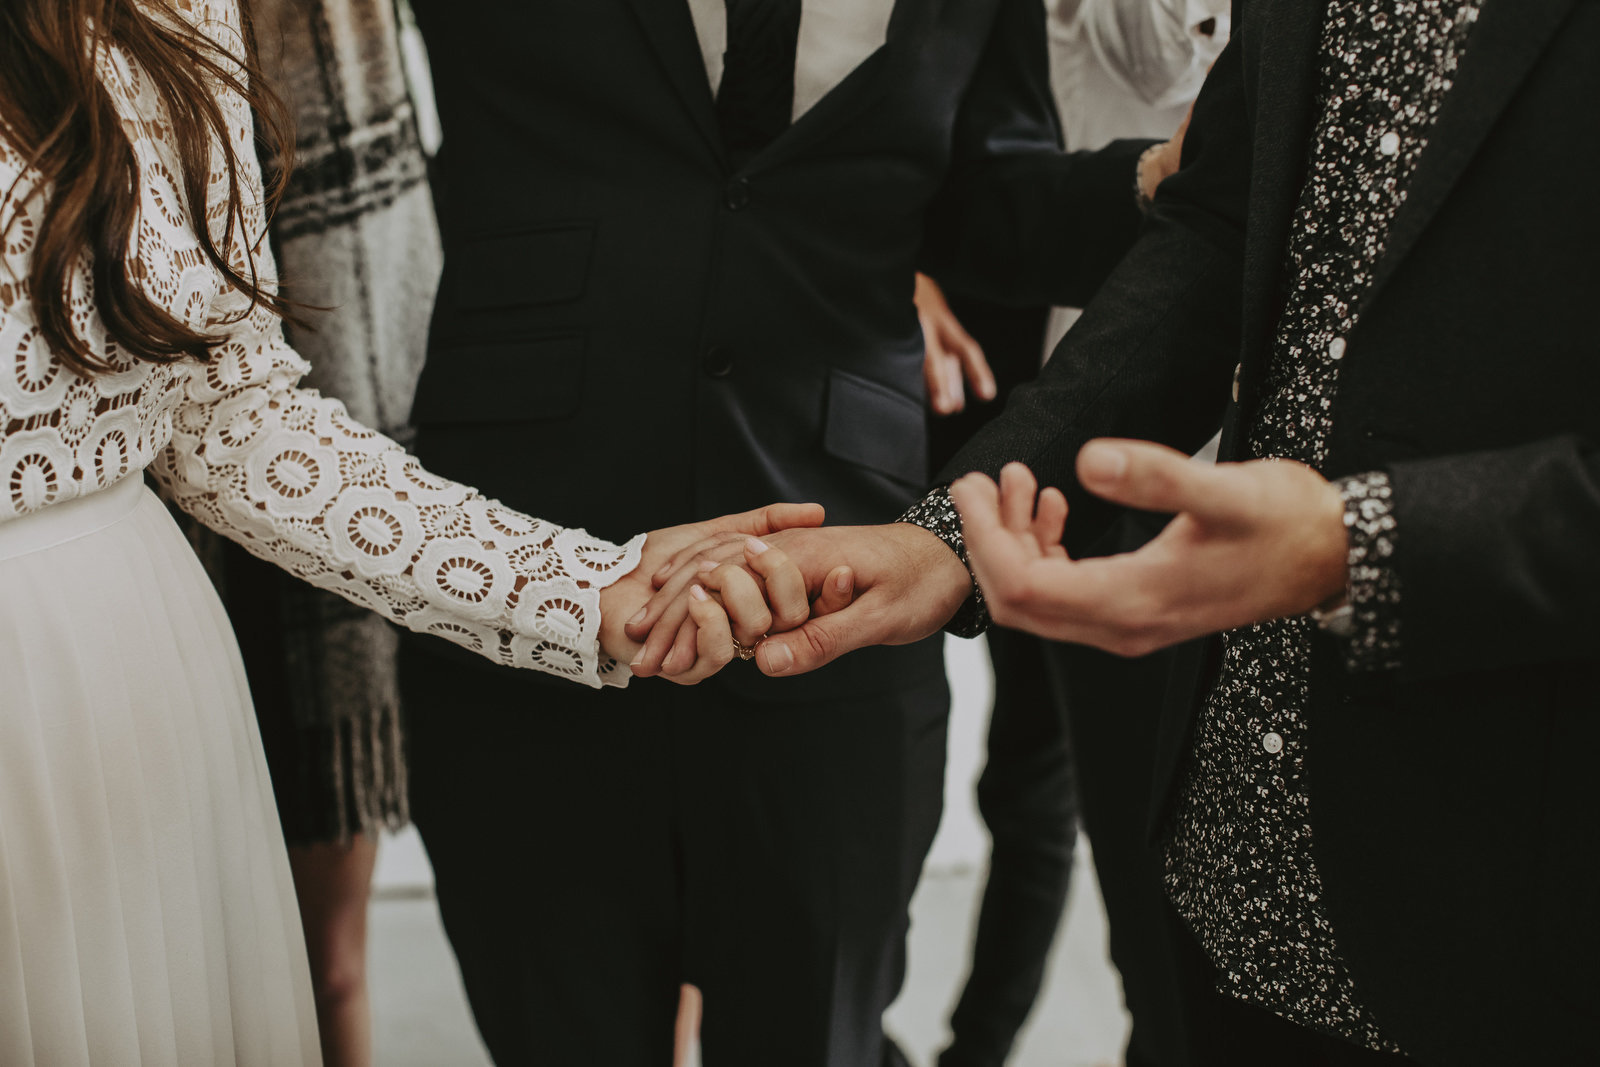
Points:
[(835, 36), (1130, 68)]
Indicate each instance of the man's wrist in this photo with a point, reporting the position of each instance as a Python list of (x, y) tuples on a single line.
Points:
[(1372, 634), (937, 514)]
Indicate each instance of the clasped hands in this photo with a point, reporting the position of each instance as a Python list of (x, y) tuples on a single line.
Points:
[(1247, 542)]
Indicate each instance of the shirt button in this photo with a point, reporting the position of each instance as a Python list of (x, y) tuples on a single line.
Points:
[(1389, 143), (737, 194), (718, 362), (1238, 372), (1336, 348), (1273, 743)]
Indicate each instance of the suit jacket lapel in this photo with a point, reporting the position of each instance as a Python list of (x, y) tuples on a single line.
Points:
[(1501, 51), (1285, 112), (669, 27)]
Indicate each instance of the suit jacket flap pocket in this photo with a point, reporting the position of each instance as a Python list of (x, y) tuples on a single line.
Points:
[(500, 381), (545, 265), (876, 427)]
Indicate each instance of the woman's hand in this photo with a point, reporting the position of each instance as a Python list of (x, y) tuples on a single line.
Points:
[(746, 573), (701, 628)]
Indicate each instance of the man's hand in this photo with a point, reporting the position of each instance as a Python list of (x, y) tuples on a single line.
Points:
[(1249, 542), (1162, 161), (951, 355), (906, 584), (704, 627)]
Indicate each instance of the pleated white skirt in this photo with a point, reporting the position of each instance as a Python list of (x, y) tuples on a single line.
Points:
[(147, 915)]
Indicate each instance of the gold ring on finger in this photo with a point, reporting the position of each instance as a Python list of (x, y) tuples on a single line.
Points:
[(747, 652)]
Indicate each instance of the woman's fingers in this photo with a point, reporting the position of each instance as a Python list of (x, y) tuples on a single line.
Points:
[(663, 632), (683, 653), (713, 638), (703, 547), (742, 600), (772, 599), (784, 585), (675, 587)]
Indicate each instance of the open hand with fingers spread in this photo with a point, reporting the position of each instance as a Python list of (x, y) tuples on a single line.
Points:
[(1248, 542)]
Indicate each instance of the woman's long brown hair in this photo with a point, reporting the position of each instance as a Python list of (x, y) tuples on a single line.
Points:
[(54, 108)]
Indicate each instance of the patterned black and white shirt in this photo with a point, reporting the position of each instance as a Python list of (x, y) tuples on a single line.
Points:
[(1239, 863)]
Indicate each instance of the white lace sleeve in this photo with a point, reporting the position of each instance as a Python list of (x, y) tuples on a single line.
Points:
[(292, 477)]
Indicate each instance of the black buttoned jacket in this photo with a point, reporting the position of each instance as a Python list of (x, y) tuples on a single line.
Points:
[(1453, 801), (631, 332)]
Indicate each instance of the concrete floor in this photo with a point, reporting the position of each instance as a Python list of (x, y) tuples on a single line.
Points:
[(421, 1017)]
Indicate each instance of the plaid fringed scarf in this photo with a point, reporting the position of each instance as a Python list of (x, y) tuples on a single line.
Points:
[(356, 235)]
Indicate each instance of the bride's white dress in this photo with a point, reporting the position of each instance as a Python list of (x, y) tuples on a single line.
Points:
[(146, 909)]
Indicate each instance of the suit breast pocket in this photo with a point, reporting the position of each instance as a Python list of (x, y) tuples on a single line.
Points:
[(511, 380), (522, 268)]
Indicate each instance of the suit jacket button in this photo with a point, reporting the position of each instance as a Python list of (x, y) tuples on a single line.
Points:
[(718, 362), (737, 194)]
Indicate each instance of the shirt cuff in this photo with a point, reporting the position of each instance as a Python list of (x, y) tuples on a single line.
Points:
[(937, 514), (1373, 643)]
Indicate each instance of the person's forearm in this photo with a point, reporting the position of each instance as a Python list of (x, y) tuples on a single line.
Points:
[(1154, 353), (1036, 228), (1151, 359), (1495, 557)]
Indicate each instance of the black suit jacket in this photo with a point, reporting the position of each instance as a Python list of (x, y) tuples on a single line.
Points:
[(1453, 801), (630, 333)]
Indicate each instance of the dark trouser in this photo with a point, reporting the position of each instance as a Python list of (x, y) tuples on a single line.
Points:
[(1025, 794), (1114, 707), (1027, 800), (592, 850)]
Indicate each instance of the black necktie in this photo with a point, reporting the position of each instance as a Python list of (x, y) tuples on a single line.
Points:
[(756, 99)]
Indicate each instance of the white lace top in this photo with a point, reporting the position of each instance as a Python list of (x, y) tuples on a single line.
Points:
[(282, 470)]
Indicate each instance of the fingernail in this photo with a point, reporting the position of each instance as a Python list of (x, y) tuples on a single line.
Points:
[(779, 658), (1105, 462), (636, 661), (842, 583), (707, 565), (756, 546), (698, 593), (637, 619)]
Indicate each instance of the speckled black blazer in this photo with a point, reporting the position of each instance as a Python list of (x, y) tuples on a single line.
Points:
[(1456, 820)]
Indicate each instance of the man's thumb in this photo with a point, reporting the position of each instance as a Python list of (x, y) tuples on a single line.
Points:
[(817, 642), (1151, 477)]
